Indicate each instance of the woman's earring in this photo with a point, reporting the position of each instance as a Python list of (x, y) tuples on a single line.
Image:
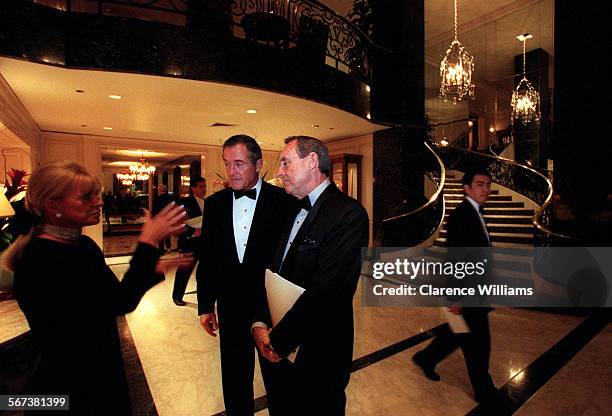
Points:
[(58, 215)]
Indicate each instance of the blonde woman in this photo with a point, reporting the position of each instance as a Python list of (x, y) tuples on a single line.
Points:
[(69, 295)]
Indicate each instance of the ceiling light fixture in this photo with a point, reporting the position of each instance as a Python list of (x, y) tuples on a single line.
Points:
[(251, 111), (115, 97), (456, 71), (525, 99), (107, 128), (142, 169)]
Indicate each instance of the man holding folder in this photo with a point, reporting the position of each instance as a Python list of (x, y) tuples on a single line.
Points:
[(320, 252)]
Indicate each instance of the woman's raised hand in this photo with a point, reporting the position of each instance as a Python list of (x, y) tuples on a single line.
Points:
[(169, 221)]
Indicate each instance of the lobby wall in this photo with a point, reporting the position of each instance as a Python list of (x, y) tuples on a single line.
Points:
[(87, 150)]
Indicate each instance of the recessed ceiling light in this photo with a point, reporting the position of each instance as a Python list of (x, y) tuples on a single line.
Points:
[(107, 128), (369, 116), (79, 91), (492, 129), (115, 97), (316, 126), (367, 88), (251, 111), (259, 141)]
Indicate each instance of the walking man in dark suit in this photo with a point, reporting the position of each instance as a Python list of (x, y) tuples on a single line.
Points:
[(241, 230), (187, 241), (321, 252), (466, 228), (159, 203)]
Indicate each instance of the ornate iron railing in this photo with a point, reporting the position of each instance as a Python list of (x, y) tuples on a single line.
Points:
[(413, 227), (520, 178), (346, 47)]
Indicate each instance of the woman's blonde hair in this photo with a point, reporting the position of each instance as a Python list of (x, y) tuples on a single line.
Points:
[(52, 181)]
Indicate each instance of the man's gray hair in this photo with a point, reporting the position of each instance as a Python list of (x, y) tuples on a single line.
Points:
[(306, 145)]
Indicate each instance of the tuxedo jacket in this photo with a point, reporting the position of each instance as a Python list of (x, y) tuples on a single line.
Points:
[(324, 259), (221, 277), (185, 242)]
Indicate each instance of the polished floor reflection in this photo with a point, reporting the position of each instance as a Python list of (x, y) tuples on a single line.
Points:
[(546, 363)]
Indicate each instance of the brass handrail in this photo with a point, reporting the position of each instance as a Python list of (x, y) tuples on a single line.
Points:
[(433, 198)]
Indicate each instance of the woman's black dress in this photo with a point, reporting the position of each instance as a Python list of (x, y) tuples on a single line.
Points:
[(70, 298)]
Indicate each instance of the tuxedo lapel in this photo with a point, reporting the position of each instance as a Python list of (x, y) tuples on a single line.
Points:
[(227, 228), (312, 214)]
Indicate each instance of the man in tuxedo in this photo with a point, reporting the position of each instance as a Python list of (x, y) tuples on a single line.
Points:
[(321, 252), (187, 241), (241, 230), (466, 228)]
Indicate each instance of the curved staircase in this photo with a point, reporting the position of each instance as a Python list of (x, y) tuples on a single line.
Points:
[(509, 221)]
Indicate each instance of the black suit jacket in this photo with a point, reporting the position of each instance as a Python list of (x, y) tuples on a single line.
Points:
[(185, 241), (465, 228), (221, 277), (325, 259)]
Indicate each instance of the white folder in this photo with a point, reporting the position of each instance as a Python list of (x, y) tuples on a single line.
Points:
[(282, 295), (456, 322), (195, 222)]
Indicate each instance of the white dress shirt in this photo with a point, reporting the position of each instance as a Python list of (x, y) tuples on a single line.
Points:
[(243, 211), (482, 221), (301, 216), (200, 202)]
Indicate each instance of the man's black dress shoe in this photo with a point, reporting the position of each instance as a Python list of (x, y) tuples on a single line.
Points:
[(178, 302), (428, 370)]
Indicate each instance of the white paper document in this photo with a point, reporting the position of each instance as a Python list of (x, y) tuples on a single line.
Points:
[(195, 222), (456, 322), (282, 295)]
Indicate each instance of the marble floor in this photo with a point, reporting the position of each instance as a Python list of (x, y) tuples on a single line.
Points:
[(181, 362)]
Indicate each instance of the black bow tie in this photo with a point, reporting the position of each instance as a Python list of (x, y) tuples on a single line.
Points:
[(305, 203), (250, 193)]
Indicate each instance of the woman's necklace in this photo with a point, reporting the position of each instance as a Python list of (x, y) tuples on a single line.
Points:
[(63, 233)]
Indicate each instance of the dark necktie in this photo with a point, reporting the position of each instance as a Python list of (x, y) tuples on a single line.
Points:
[(250, 193), (305, 203)]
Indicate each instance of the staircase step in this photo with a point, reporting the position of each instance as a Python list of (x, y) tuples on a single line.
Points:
[(508, 219), (497, 242), (501, 219), (503, 228), (501, 211), (452, 189), (459, 196), (491, 204)]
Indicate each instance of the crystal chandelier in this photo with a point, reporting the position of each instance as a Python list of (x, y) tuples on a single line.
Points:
[(456, 71), (525, 98), (125, 178), (142, 170)]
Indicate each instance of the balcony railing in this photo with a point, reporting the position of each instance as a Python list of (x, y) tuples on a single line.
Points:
[(294, 22)]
